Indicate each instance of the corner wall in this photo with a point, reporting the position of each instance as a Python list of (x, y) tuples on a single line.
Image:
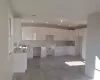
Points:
[(93, 43)]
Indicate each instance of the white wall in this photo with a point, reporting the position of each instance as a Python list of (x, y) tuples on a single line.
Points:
[(5, 65), (93, 43), (17, 30), (59, 34)]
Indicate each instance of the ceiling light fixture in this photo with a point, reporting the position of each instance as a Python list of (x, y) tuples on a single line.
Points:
[(33, 22), (69, 25), (61, 21), (58, 24), (46, 22)]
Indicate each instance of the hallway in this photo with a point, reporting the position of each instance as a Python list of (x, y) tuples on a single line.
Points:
[(53, 68)]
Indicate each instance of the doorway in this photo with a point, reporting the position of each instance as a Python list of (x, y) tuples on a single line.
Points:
[(37, 52)]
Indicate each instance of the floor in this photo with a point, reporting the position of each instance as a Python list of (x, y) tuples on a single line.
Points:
[(52, 68)]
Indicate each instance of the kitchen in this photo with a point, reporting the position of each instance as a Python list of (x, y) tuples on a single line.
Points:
[(43, 42)]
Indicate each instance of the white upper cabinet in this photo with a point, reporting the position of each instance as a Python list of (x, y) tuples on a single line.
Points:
[(39, 33)]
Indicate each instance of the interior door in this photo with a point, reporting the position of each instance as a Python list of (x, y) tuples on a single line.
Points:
[(10, 45)]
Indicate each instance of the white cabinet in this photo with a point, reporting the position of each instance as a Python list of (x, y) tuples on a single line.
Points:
[(43, 52), (20, 63), (65, 50), (39, 33), (29, 52), (71, 50), (28, 33), (60, 51)]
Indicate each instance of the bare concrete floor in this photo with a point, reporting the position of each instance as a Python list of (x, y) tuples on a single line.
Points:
[(53, 68)]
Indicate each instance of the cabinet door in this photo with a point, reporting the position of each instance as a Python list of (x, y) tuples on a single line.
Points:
[(27, 33)]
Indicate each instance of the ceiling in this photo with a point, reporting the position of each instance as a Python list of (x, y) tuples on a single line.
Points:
[(60, 12)]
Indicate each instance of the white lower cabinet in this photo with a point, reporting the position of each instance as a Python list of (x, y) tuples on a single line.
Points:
[(20, 63), (65, 50)]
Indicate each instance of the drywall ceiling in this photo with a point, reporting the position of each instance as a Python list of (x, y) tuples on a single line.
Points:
[(72, 12)]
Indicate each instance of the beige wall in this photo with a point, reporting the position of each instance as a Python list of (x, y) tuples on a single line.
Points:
[(5, 66)]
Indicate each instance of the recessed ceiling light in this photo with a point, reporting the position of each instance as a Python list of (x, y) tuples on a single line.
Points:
[(58, 24), (69, 25), (33, 21), (61, 21), (46, 22)]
